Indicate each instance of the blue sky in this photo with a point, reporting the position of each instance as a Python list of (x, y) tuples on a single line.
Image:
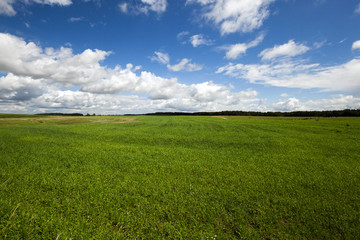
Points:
[(139, 56)]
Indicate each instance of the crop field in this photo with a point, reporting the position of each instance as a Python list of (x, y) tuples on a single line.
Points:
[(179, 177)]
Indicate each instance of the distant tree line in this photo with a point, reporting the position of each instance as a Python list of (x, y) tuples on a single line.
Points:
[(61, 114), (333, 113)]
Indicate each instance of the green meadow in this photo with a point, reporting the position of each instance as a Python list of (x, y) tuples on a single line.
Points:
[(179, 177)]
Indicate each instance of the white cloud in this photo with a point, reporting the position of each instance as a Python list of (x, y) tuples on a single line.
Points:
[(158, 6), (336, 102), (161, 57), (202, 2), (297, 74), (284, 95), (143, 6), (182, 34), (70, 101), (6, 6), (28, 59), (289, 49), (318, 45), (236, 50), (357, 10), (169, 95), (185, 64), (126, 80), (219, 100), (356, 45), (208, 91), (174, 96), (20, 88), (54, 2), (198, 97), (198, 40), (343, 40), (288, 105), (235, 15), (123, 7), (193, 67)]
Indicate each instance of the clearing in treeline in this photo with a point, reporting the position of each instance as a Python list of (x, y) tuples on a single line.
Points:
[(179, 177)]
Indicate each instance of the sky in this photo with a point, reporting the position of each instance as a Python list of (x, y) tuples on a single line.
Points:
[(142, 56)]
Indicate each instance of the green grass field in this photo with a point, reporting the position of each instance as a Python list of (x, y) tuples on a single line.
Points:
[(157, 177)]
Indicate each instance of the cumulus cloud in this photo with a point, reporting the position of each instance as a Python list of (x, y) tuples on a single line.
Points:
[(288, 105), (289, 49), (143, 6), (198, 40), (20, 88), (42, 80), (297, 74), (126, 80), (77, 101), (6, 6), (356, 45), (285, 72), (28, 59), (239, 49), (195, 97), (206, 96), (38, 79), (335, 102), (235, 15), (185, 64)]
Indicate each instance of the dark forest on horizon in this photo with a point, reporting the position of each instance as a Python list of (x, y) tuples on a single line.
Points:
[(330, 113)]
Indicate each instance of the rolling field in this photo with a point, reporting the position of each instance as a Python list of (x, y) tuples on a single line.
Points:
[(157, 177)]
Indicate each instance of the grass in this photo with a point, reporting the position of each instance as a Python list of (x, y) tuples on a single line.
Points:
[(154, 177)]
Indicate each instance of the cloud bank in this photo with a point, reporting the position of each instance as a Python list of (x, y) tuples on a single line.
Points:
[(38, 79), (297, 74)]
